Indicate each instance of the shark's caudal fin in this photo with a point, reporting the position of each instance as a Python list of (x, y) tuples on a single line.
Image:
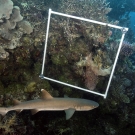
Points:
[(3, 110)]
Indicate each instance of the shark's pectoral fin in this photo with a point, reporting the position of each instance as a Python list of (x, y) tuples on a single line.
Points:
[(18, 110), (65, 96), (34, 111), (69, 113), (16, 102)]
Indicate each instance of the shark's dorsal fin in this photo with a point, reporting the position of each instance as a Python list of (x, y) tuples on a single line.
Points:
[(45, 94), (69, 113)]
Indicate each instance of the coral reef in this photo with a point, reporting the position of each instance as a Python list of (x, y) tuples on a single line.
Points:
[(78, 53), (80, 39)]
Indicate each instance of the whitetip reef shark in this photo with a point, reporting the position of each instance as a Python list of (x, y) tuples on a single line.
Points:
[(49, 103)]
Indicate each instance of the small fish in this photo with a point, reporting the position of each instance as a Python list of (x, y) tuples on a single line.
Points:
[(49, 103)]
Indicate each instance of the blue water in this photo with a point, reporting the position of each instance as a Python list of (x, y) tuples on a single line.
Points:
[(132, 21)]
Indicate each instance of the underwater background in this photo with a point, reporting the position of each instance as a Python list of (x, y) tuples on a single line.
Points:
[(77, 52)]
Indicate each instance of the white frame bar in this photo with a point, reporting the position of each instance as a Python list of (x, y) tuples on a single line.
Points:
[(123, 29)]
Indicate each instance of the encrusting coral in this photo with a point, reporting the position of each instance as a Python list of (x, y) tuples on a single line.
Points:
[(92, 72), (97, 71)]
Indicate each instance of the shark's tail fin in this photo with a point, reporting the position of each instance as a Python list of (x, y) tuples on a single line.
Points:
[(3, 110)]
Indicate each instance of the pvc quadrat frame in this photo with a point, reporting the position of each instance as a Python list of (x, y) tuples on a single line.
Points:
[(123, 30)]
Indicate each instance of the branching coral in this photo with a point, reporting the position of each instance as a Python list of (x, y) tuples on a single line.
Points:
[(7, 124), (92, 9), (118, 91), (126, 49)]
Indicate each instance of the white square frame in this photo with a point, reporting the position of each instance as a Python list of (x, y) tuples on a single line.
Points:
[(123, 30)]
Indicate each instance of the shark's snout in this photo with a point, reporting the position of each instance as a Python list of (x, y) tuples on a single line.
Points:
[(96, 104)]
